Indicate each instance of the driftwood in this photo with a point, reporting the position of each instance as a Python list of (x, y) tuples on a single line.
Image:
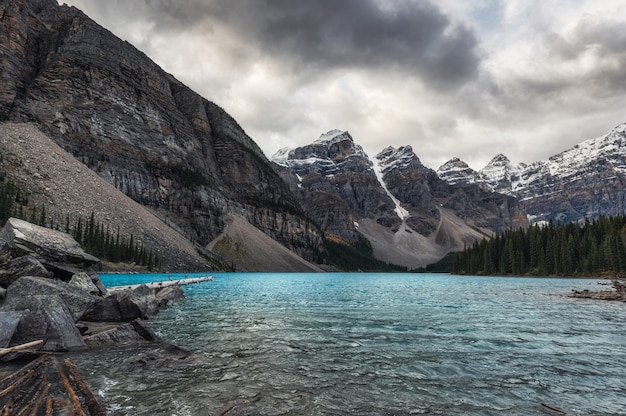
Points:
[(22, 347), (160, 285), (47, 386)]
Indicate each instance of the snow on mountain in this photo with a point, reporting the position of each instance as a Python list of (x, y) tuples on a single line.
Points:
[(402, 213), (456, 171), (501, 176), (391, 157), (327, 155), (584, 181)]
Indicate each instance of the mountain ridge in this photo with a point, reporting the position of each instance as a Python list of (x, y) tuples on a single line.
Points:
[(403, 209), (584, 181)]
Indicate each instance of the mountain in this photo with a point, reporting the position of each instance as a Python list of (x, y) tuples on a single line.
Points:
[(141, 130), (401, 208), (585, 181)]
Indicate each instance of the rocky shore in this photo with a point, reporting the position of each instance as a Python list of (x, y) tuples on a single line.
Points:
[(617, 294), (52, 301)]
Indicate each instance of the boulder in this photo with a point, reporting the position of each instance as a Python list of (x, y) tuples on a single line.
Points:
[(22, 238), (140, 302), (28, 265), (46, 317), (104, 310), (95, 279), (77, 301), (83, 282), (130, 332), (8, 324), (169, 294)]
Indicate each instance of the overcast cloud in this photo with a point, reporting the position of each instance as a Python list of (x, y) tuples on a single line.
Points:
[(450, 78)]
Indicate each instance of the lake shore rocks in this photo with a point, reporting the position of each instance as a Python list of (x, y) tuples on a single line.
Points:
[(49, 291), (617, 294)]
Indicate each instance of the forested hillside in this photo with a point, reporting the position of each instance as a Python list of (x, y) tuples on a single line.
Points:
[(591, 249)]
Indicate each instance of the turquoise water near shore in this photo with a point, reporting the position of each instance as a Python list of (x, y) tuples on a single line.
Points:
[(375, 344)]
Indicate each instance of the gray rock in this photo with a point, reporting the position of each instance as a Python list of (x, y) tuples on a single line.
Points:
[(105, 310), (24, 238), (126, 333), (83, 282), (95, 279), (46, 317), (8, 324), (167, 295), (77, 301), (22, 266), (138, 303)]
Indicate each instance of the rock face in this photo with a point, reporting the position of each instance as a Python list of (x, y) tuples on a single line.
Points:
[(335, 182), (139, 128), (407, 213), (421, 189), (585, 181)]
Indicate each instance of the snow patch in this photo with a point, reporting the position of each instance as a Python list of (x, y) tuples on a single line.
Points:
[(402, 213)]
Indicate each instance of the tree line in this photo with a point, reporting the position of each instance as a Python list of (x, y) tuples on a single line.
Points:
[(564, 249), (95, 237)]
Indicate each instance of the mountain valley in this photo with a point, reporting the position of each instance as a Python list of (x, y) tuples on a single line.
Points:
[(110, 133)]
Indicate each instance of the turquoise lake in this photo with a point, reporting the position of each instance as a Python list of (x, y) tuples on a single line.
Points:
[(374, 344)]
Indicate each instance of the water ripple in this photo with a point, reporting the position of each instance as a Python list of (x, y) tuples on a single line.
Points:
[(372, 344)]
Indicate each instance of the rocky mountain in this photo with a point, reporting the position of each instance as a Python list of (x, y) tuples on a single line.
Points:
[(585, 181), (141, 130), (403, 209)]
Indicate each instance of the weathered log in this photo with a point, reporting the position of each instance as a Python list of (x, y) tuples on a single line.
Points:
[(166, 283), (22, 347), (46, 380)]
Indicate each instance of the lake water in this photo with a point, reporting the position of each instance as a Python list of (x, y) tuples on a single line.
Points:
[(375, 344)]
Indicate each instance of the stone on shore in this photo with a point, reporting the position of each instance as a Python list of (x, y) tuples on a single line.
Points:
[(167, 295), (8, 324), (138, 303), (27, 265), (46, 317), (104, 335), (77, 300), (22, 238), (47, 288)]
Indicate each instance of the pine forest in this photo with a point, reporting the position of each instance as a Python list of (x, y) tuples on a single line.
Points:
[(593, 248)]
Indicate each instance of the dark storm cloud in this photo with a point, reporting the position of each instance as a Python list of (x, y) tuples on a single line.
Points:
[(413, 37)]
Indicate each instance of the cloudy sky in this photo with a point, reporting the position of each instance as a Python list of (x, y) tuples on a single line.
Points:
[(465, 78)]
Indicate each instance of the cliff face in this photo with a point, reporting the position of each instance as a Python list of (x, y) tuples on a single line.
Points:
[(335, 182), (139, 128), (423, 193)]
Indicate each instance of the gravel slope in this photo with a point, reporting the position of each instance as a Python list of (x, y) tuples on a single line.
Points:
[(56, 180)]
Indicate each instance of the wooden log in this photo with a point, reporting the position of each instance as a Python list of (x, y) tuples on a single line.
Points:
[(95, 408), (21, 347), (162, 284), (68, 388)]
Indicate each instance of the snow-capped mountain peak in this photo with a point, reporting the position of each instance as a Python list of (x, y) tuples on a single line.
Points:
[(584, 181), (391, 158), (457, 171)]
